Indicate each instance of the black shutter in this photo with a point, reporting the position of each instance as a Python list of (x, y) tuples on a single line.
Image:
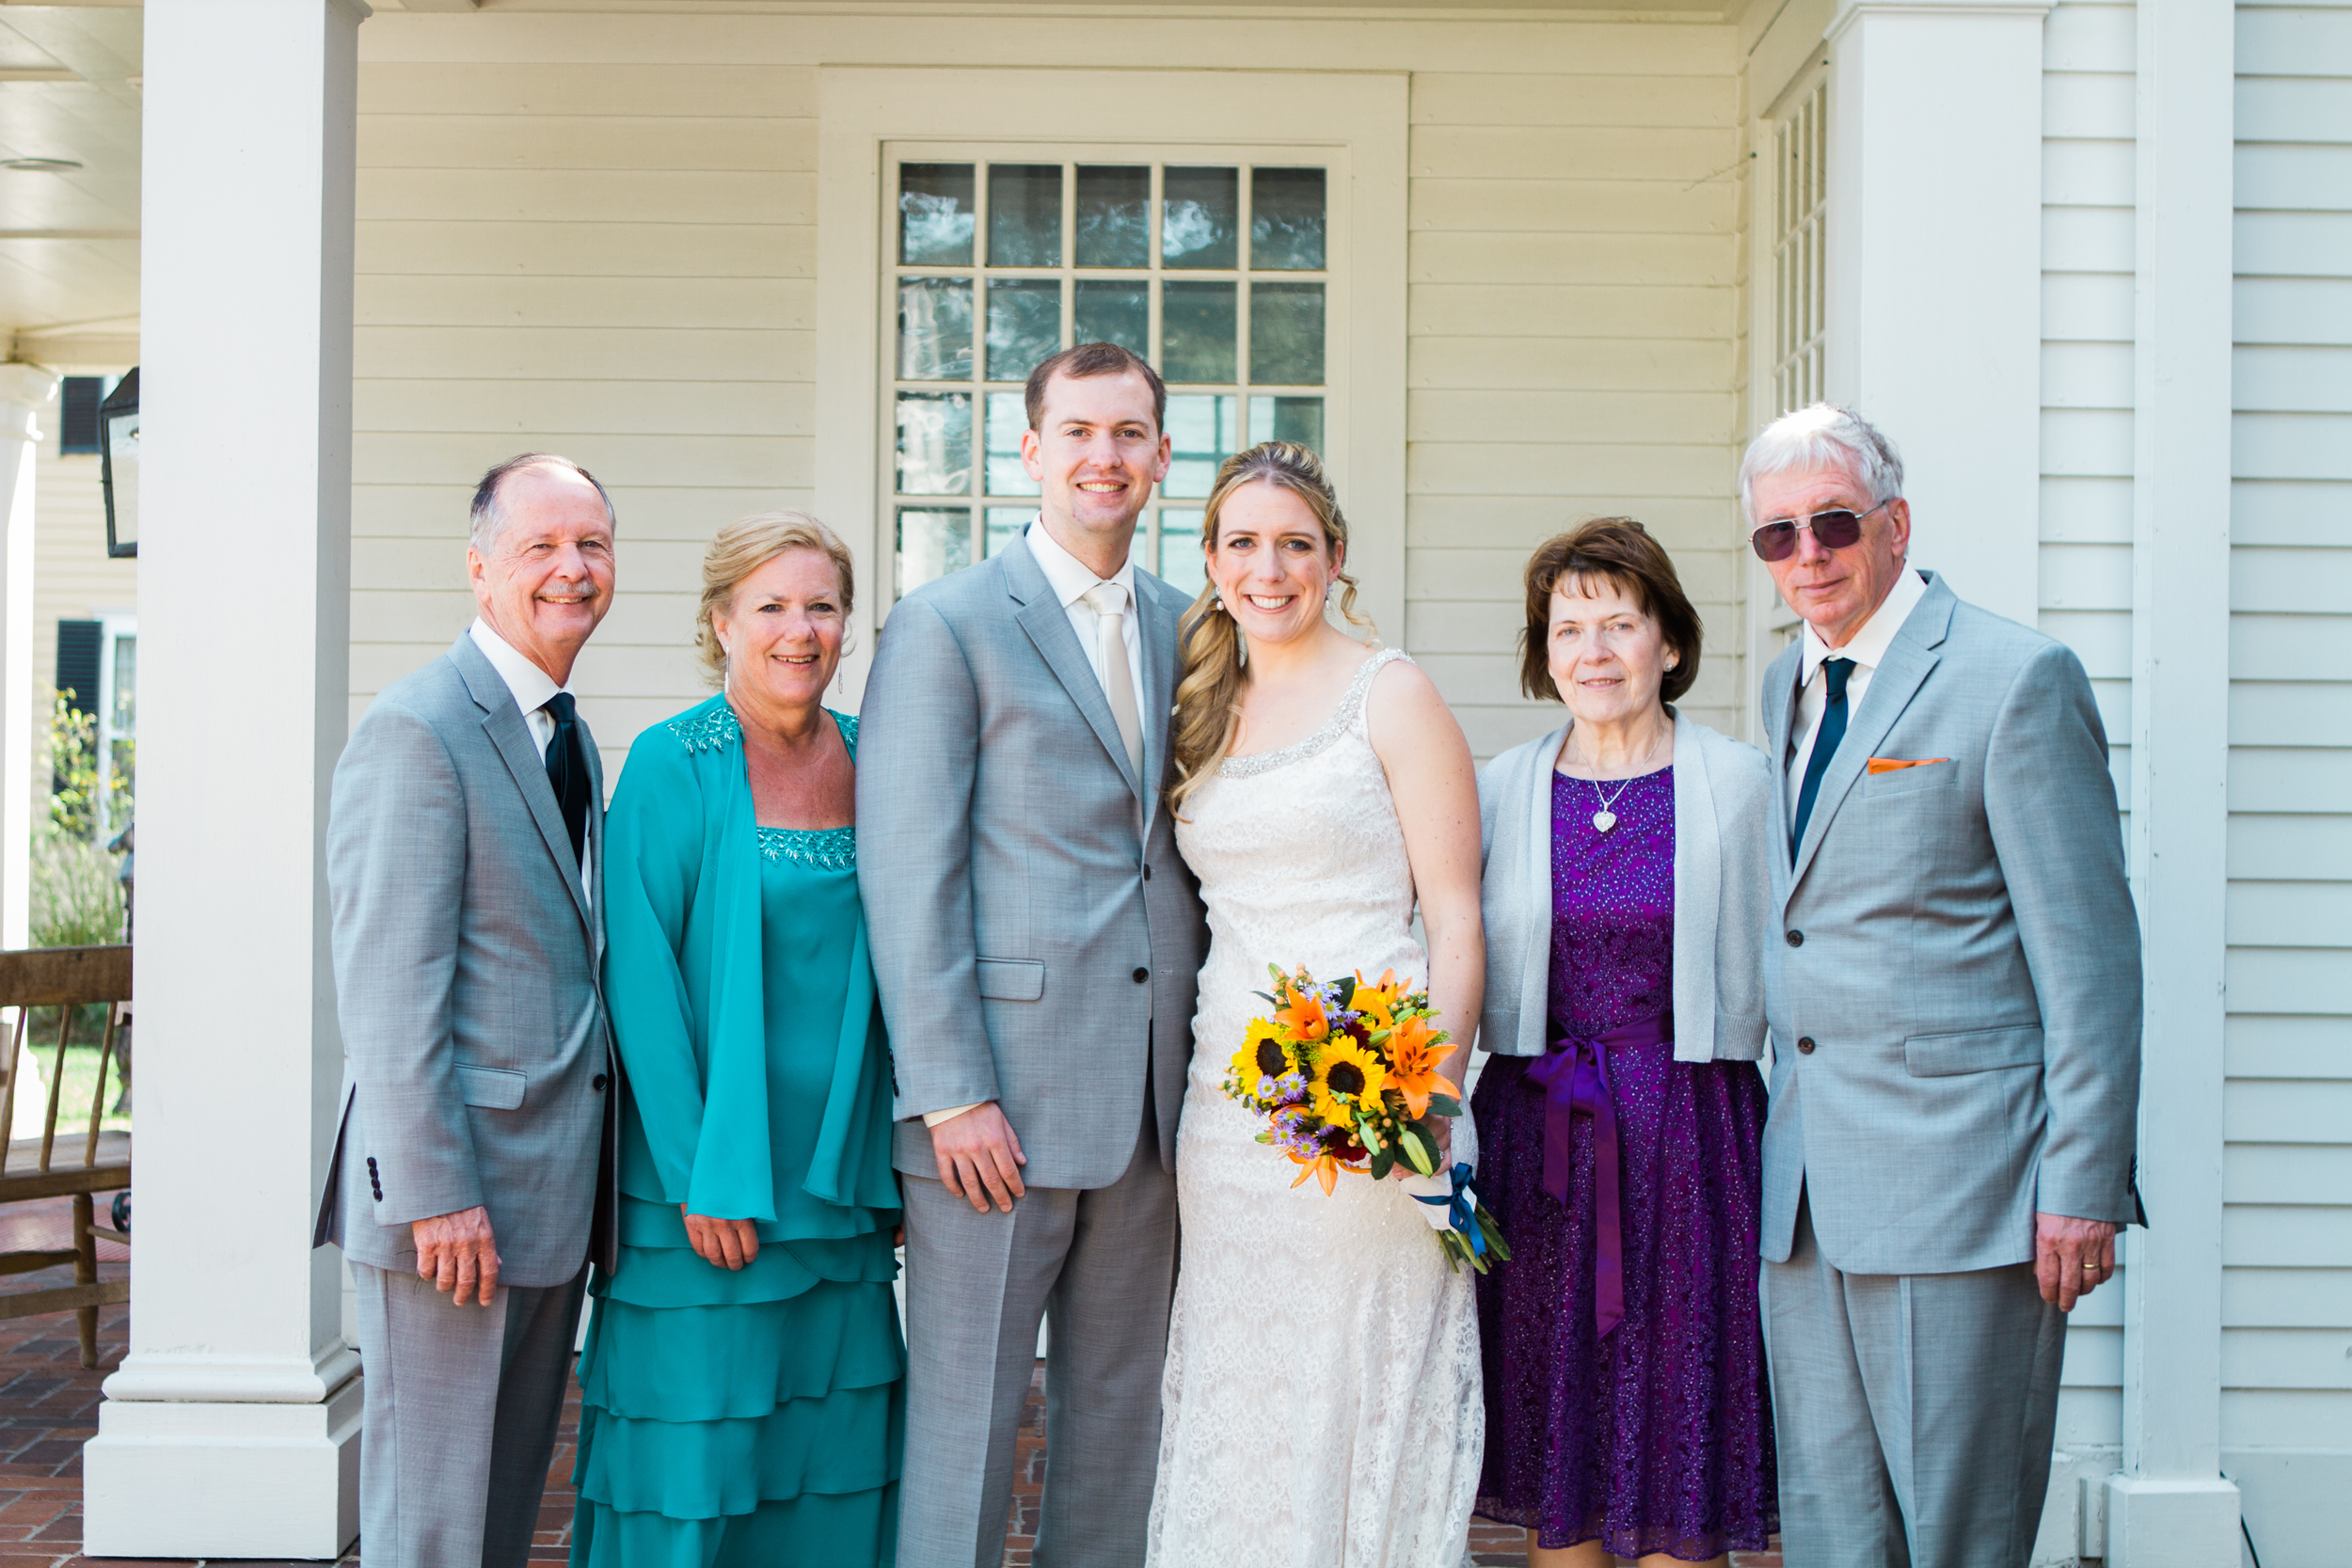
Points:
[(78, 643), (77, 415)]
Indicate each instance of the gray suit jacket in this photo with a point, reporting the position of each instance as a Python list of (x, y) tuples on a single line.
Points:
[(1722, 894), (475, 1046), (1954, 995), (1037, 940)]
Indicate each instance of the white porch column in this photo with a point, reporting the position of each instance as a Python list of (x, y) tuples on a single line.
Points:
[(232, 1429), (1935, 272), (25, 390), (2170, 1508)]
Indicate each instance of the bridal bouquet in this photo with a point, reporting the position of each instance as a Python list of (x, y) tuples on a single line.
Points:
[(1345, 1073)]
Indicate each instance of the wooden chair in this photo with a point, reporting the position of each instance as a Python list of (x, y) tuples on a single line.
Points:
[(68, 979)]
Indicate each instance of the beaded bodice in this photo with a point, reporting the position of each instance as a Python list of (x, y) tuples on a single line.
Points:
[(715, 728)]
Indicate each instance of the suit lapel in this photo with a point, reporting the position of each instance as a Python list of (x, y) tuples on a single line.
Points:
[(1780, 719), (503, 722), (1910, 659), (1160, 625), (1048, 627)]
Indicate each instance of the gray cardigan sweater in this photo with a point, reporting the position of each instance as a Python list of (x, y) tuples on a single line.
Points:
[(1722, 894)]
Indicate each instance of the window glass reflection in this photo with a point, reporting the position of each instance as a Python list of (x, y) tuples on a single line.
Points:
[(934, 329), (1109, 312), (935, 215), (1005, 523), (1287, 222), (1298, 420), (1197, 331), (1114, 217), (934, 443), (1024, 214), (1200, 216), (931, 543), (1201, 430), (1286, 334), (1181, 565), (1023, 326), (1007, 416)]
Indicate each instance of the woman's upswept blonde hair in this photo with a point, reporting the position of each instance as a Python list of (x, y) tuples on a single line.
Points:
[(742, 548), (1208, 689)]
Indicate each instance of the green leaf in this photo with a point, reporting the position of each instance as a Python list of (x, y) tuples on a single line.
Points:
[(1264, 998), (1383, 1161), (1347, 989), (1444, 1106)]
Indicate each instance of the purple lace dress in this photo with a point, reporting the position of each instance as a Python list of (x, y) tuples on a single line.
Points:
[(1657, 1437)]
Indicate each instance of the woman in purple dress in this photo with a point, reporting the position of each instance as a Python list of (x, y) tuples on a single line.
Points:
[(1620, 1115)]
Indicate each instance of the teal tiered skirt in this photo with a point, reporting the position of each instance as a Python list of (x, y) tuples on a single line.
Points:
[(748, 1418)]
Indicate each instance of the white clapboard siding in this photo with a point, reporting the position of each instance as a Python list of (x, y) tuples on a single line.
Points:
[(594, 234), (2287, 1236), (1575, 294), (2087, 89)]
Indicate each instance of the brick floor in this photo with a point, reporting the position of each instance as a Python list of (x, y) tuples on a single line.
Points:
[(49, 1408)]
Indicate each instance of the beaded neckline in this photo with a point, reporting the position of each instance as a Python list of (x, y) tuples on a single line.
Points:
[(714, 728), (813, 848), (1341, 717)]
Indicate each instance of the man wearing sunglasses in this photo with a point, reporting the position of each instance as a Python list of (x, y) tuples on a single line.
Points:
[(1954, 1011)]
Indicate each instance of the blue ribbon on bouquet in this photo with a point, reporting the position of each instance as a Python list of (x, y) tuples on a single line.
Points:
[(1462, 1207)]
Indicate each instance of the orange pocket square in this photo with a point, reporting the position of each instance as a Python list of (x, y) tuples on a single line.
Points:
[(1888, 765)]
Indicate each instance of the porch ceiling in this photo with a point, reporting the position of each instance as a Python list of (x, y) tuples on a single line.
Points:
[(68, 239)]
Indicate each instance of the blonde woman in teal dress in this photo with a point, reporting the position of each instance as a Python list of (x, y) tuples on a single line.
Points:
[(742, 1387)]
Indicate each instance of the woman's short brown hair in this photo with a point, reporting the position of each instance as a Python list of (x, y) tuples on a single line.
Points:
[(1619, 551)]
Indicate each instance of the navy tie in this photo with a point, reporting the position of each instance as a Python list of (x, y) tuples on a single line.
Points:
[(1824, 746), (567, 770)]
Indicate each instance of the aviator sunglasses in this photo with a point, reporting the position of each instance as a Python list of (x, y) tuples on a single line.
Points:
[(1831, 530)]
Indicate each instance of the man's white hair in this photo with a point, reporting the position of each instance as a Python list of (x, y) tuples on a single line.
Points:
[(1821, 436), (486, 520)]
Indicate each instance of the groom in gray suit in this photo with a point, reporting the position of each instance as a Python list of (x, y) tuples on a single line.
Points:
[(1954, 1007), (462, 860), (1036, 943)]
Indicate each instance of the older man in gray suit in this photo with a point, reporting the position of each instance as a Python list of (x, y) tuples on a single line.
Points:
[(1036, 944), (462, 861), (1954, 1007)]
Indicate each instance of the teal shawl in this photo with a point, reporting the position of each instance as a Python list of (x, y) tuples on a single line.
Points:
[(684, 983)]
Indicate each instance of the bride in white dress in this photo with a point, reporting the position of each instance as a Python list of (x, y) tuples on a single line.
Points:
[(1322, 1404)]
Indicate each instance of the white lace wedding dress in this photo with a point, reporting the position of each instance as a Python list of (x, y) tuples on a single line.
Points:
[(1322, 1404)]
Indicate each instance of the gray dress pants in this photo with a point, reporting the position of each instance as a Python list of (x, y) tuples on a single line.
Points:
[(1914, 1412), (1100, 1265), (459, 1427)]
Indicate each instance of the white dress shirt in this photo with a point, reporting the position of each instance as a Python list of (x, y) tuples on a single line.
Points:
[(1867, 649), (1072, 579), (531, 687)]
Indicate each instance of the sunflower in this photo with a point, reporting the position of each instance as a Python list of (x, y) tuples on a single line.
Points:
[(1346, 1076), (1414, 1051), (1261, 1056)]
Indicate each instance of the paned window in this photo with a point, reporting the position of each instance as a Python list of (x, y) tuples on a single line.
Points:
[(1215, 271), (1800, 250)]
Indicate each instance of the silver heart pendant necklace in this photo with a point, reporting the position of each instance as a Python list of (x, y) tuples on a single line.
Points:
[(1604, 818)]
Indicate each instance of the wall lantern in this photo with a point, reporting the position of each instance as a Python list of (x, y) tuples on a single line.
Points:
[(119, 463)]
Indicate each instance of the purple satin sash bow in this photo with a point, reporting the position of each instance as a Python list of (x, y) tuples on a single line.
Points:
[(1574, 1073)]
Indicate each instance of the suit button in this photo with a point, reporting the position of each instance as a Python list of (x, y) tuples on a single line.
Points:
[(1147, 871), (1796, 939), (1804, 1046), (1140, 975), (597, 1083)]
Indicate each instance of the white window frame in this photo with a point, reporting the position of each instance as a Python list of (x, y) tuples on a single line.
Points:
[(113, 628), (1354, 125), (1330, 392), (1771, 624)]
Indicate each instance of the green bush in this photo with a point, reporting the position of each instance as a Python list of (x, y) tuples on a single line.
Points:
[(76, 901)]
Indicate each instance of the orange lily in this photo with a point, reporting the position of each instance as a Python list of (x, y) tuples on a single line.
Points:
[(1414, 1052), (1325, 1168), (1304, 1017)]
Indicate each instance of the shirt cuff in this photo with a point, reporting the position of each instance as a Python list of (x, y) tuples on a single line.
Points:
[(933, 1119)]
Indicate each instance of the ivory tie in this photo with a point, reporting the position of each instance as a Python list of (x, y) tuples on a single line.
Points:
[(1109, 603)]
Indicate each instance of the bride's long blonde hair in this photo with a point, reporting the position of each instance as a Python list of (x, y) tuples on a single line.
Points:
[(1208, 689)]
